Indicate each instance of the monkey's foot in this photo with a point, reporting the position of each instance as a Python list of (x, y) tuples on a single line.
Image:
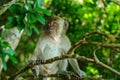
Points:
[(68, 74), (82, 74)]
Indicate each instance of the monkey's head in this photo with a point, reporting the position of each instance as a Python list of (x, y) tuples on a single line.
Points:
[(56, 26)]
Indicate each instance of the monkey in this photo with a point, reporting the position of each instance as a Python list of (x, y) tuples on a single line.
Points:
[(52, 43)]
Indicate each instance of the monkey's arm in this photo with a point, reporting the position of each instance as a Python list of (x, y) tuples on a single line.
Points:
[(37, 55), (62, 66), (38, 50)]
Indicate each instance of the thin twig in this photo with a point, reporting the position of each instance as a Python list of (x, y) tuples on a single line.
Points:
[(118, 3), (87, 35), (94, 54)]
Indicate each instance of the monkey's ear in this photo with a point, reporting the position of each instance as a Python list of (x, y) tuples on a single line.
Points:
[(66, 24)]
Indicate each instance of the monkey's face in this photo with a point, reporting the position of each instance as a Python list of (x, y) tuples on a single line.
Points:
[(56, 27)]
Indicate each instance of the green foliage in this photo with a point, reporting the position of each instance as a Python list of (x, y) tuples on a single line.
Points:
[(27, 15), (6, 50)]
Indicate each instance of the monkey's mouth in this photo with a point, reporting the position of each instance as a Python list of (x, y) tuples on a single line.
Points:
[(54, 36)]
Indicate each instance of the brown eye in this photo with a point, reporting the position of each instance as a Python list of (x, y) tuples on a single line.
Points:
[(54, 23), (66, 25)]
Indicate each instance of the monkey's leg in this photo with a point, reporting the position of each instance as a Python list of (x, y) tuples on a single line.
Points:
[(42, 69), (62, 67), (76, 68)]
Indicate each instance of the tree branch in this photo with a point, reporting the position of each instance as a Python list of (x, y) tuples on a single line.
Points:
[(118, 3), (4, 7)]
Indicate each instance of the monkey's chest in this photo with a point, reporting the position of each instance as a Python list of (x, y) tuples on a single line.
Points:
[(51, 50)]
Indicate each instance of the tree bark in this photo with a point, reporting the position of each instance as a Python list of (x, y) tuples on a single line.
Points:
[(12, 36)]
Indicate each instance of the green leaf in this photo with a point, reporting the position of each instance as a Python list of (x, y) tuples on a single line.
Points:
[(31, 18), (11, 22), (8, 25), (40, 19), (35, 29), (3, 33), (11, 19), (35, 6), (40, 2), (4, 62), (20, 18), (13, 59), (20, 27), (45, 11), (25, 20), (5, 44), (14, 9), (29, 30), (28, 7), (9, 51)]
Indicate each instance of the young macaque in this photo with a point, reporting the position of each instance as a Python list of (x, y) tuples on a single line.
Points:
[(52, 43)]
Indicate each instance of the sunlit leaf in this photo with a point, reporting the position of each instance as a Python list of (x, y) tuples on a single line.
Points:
[(45, 11), (28, 7), (9, 52), (40, 2)]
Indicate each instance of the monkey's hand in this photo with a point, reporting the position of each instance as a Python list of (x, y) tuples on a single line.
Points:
[(35, 69), (39, 61), (81, 74), (68, 74), (36, 62)]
